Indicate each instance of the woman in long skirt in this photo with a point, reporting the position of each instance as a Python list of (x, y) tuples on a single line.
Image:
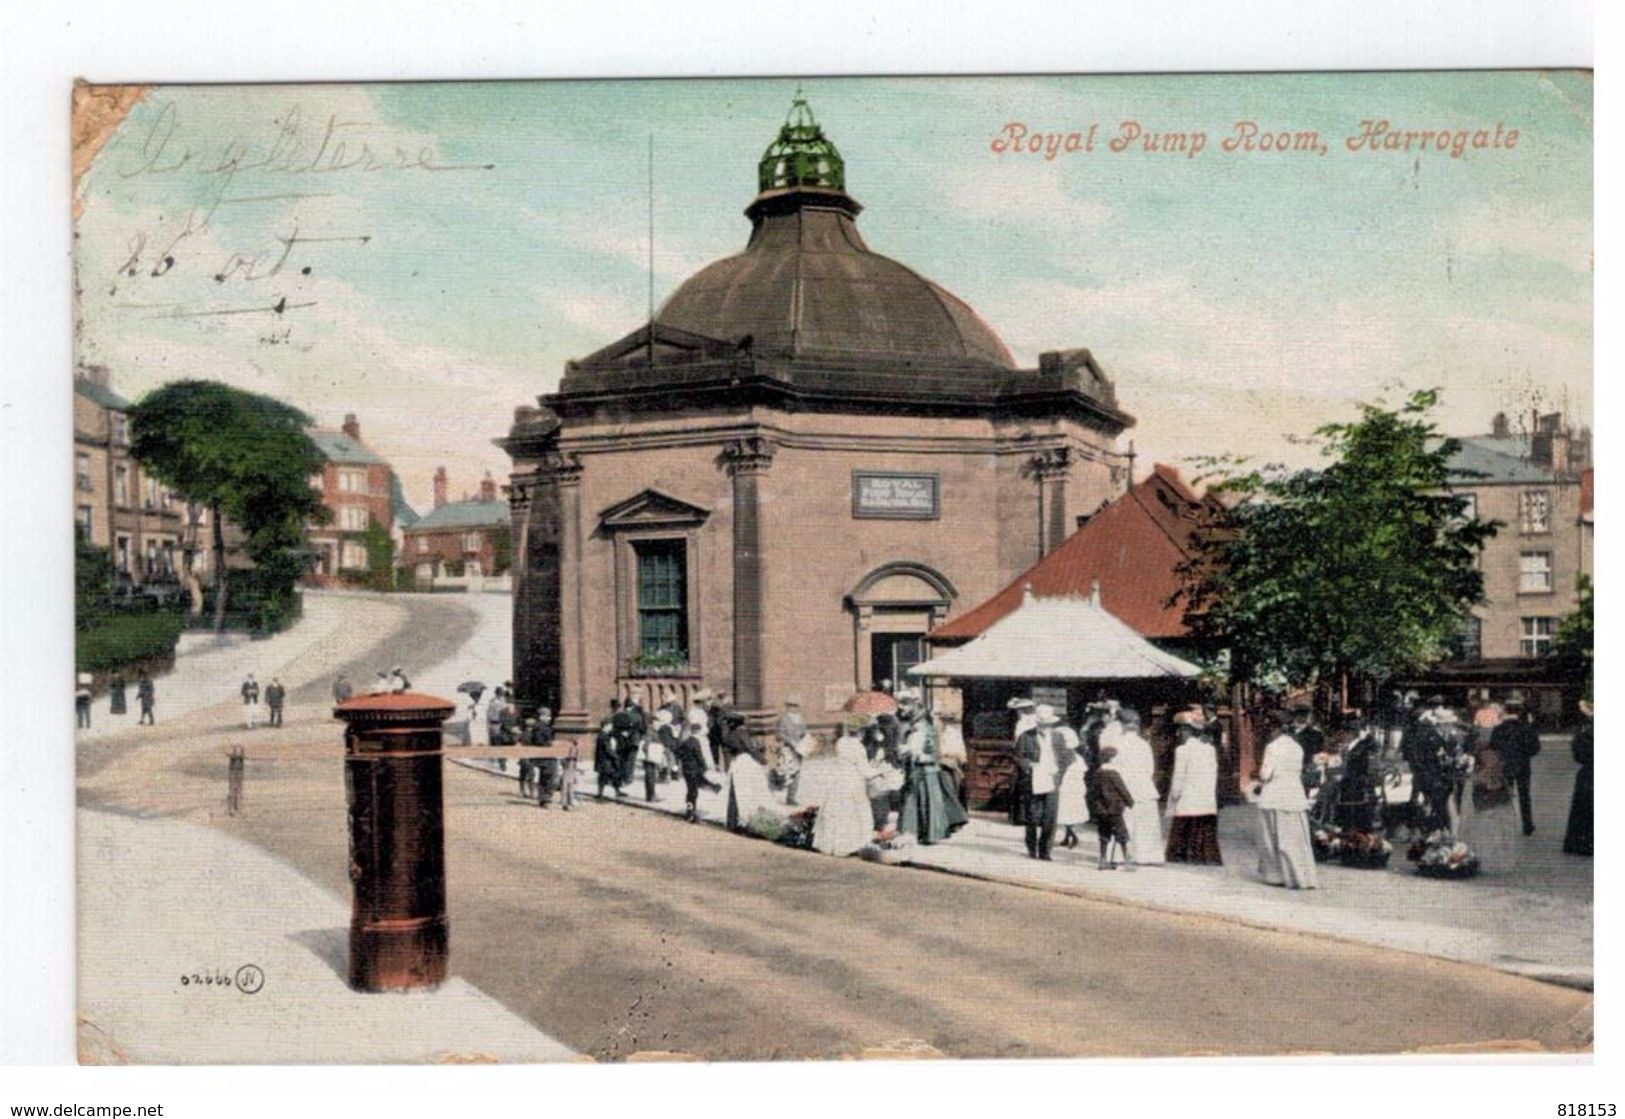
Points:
[(1285, 855), (1489, 817), (1072, 797), (833, 780), (931, 811), (1577, 840), (1193, 796), (748, 790), (1137, 765)]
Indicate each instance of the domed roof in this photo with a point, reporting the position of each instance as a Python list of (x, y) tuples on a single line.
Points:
[(808, 286)]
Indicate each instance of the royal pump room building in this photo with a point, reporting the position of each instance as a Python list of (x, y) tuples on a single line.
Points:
[(810, 458)]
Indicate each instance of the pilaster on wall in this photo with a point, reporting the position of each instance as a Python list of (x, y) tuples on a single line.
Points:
[(746, 461), (547, 635), (1052, 468)]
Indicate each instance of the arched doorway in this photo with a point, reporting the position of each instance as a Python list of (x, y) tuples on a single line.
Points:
[(893, 608)]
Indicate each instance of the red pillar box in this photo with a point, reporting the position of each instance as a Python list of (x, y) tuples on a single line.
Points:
[(392, 780)]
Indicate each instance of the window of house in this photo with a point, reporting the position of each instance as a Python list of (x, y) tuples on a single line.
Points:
[(82, 521), (121, 554), (1469, 643), (352, 555), (151, 487), (1534, 572), (353, 518), (471, 541), (81, 471), (423, 545), (121, 428), (152, 557), (662, 598), (121, 485), (1537, 636), (1535, 511), (353, 481)]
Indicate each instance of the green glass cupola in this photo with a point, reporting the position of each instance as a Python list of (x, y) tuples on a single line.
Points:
[(801, 156)]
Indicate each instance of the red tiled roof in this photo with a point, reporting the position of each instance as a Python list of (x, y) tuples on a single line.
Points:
[(1132, 547)]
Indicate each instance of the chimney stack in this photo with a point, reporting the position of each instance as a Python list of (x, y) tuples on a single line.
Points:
[(488, 487), (439, 486), (351, 427), (1500, 426)]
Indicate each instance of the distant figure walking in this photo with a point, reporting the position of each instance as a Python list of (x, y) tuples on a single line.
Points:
[(251, 702), (1577, 840), (275, 694), (81, 701), (342, 688), (147, 695), (1517, 742)]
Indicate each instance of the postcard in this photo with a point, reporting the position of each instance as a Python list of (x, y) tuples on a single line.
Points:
[(760, 569)]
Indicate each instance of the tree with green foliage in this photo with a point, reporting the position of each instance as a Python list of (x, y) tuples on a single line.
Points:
[(1361, 569), (244, 456), (1573, 646)]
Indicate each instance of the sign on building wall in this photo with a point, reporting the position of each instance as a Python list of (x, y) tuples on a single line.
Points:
[(895, 496)]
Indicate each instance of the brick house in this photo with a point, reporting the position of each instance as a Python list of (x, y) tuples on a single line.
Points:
[(359, 489), (455, 539)]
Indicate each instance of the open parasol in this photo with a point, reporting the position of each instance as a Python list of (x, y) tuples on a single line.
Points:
[(870, 703), (472, 687)]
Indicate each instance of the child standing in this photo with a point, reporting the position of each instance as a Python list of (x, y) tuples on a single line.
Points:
[(1109, 798)]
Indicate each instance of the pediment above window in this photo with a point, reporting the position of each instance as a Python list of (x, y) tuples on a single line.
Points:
[(651, 509)]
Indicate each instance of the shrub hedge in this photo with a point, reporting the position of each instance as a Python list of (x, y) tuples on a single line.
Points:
[(123, 639)]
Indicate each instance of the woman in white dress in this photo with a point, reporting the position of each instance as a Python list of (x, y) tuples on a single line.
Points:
[(1138, 767), (748, 791), (833, 779), (1072, 796), (1285, 854)]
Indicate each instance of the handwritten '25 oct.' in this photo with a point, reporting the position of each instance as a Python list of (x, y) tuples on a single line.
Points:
[(294, 162)]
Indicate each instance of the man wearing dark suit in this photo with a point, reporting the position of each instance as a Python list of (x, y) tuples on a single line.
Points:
[(1042, 756), (1517, 741)]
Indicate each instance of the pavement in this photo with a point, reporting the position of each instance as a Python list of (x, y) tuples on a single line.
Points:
[(206, 950), (1536, 922)]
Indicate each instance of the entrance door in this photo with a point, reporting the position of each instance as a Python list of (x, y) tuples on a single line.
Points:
[(893, 654)]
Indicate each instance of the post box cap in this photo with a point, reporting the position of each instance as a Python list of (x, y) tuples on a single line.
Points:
[(394, 707)]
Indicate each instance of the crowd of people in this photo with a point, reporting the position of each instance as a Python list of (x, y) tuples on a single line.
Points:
[(1104, 772), (896, 777)]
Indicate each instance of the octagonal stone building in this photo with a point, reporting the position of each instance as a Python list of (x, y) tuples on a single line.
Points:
[(811, 457)]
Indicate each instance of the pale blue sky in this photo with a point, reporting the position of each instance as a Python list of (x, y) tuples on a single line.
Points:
[(1234, 297)]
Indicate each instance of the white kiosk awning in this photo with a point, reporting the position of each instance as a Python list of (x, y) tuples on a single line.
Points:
[(1067, 638)]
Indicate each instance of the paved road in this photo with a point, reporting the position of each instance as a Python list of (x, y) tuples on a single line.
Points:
[(618, 931)]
